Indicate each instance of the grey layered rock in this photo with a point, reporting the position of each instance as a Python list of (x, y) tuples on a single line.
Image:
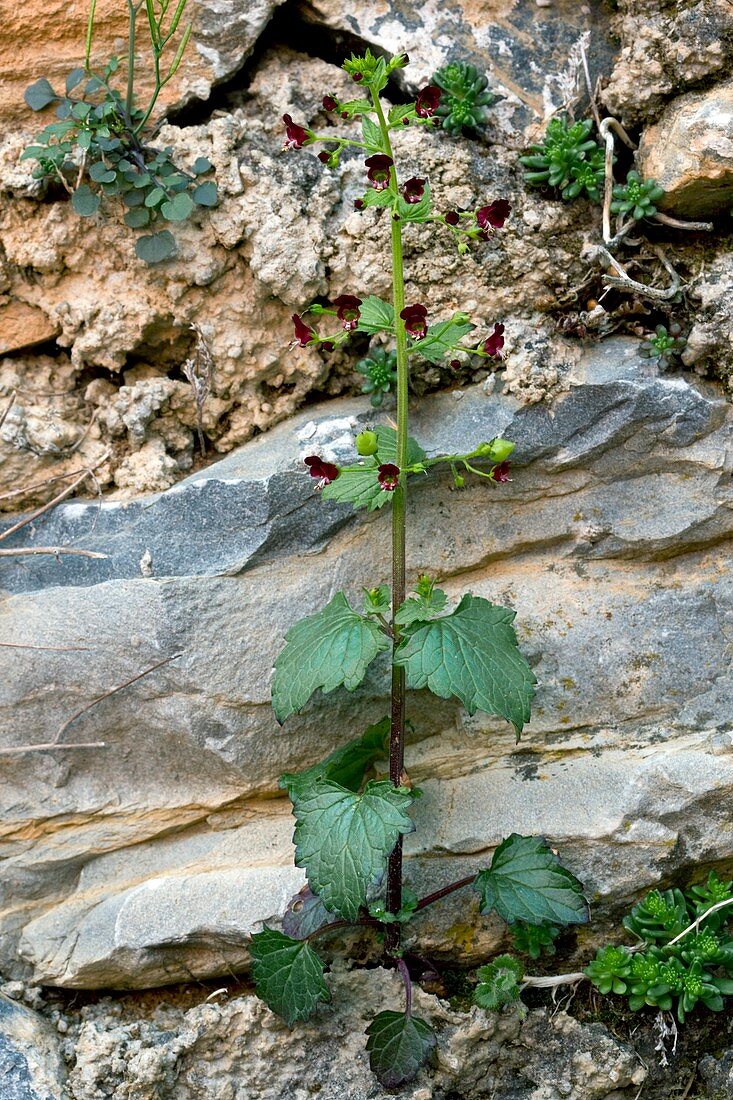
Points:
[(154, 857), (30, 1059)]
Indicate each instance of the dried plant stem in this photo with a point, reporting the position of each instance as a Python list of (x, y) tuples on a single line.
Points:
[(605, 129), (53, 746), (56, 500), (55, 551)]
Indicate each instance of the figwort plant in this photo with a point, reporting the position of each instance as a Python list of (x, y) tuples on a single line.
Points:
[(100, 145), (349, 830)]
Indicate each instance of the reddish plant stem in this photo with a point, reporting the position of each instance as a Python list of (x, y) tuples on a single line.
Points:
[(405, 975), (444, 892)]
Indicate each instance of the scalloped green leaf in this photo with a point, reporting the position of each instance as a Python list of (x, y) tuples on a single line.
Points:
[(471, 654), (441, 340), (288, 975), (347, 764), (399, 1045), (358, 484), (330, 649), (375, 315), (343, 840), (527, 882)]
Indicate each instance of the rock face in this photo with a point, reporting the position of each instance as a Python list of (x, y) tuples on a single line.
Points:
[(240, 1050), (151, 859), (30, 1059), (689, 152)]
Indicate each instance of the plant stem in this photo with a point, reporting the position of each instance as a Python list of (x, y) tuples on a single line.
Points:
[(405, 975), (397, 730), (446, 890), (90, 35), (132, 11)]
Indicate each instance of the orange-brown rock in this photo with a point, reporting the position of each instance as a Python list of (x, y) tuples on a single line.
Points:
[(24, 326)]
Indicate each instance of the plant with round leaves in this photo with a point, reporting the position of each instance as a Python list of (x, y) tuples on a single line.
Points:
[(353, 810), (100, 149), (465, 97), (665, 346), (567, 158), (380, 372), (636, 197)]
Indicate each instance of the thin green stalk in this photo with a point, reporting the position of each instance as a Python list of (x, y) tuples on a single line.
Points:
[(397, 730), (90, 35), (129, 97)]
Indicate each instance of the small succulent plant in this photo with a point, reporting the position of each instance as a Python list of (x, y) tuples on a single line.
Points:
[(534, 940), (464, 98), (380, 371), (665, 345), (568, 158), (636, 197)]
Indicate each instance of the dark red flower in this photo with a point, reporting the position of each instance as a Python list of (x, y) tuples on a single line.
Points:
[(324, 157), (378, 174), (455, 364), (414, 318), (358, 204), (296, 136), (493, 216), (452, 217), (326, 472), (413, 190), (495, 342), (303, 334), (388, 476), (501, 472), (427, 101), (347, 310), (329, 103)]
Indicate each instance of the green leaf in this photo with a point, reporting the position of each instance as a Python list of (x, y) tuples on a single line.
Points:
[(358, 485), (84, 139), (527, 882), (288, 975), (375, 315), (156, 247), (154, 197), (100, 173), (441, 340), (356, 107), (178, 208), (372, 134), (416, 211), (333, 647), (347, 764), (206, 194), (498, 983), (201, 165), (378, 601), (74, 78), (85, 201), (421, 608), (399, 1045), (137, 218), (400, 112), (305, 914), (472, 654), (39, 95), (372, 197), (343, 840)]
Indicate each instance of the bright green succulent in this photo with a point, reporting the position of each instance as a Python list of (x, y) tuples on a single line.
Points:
[(636, 197), (610, 969), (464, 99), (665, 346), (380, 371), (534, 939), (568, 158)]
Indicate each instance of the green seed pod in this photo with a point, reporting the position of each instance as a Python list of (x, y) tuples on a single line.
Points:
[(459, 481), (498, 450), (366, 443)]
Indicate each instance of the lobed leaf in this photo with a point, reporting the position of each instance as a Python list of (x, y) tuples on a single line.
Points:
[(421, 608), (332, 648), (376, 315), (347, 764), (372, 135), (343, 840), (85, 201), (527, 882), (288, 975), (441, 340), (399, 1045), (472, 654)]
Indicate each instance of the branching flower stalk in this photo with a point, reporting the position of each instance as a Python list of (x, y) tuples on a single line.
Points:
[(349, 829)]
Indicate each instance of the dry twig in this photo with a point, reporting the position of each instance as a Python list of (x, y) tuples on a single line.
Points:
[(199, 370)]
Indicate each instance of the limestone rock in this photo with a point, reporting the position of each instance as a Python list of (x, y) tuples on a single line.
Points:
[(23, 326), (154, 858), (30, 1058), (689, 152), (237, 1048)]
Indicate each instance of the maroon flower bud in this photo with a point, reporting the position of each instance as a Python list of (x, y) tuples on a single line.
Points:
[(413, 190), (327, 345), (405, 122), (452, 218), (344, 114), (501, 472), (357, 77), (388, 476), (495, 342), (493, 216), (455, 364), (378, 174), (414, 318), (296, 136), (358, 204), (326, 472), (347, 310), (303, 334), (427, 101), (329, 103), (324, 157)]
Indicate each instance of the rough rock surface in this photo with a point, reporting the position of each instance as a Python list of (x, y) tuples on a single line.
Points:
[(689, 152), (611, 543), (238, 1050), (31, 1067)]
